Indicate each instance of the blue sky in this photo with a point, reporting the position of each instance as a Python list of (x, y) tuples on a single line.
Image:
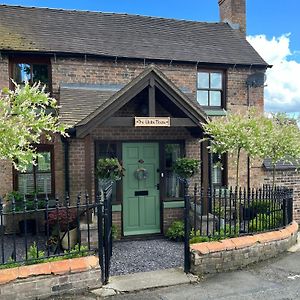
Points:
[(273, 28)]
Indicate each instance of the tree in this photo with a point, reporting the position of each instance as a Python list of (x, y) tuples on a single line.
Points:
[(231, 134), (280, 140), (277, 138), (26, 115)]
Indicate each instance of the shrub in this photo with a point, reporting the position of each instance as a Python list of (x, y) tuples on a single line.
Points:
[(63, 218), (266, 221), (19, 202), (35, 256), (114, 232), (228, 232), (176, 231)]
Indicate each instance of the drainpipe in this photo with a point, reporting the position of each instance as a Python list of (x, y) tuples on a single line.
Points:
[(66, 142), (248, 158), (66, 145)]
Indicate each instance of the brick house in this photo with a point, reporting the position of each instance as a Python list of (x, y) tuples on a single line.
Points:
[(111, 73)]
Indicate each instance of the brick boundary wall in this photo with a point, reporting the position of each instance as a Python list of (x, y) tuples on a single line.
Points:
[(236, 253), (48, 279), (291, 179), (171, 215)]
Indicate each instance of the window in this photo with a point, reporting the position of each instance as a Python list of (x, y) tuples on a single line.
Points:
[(38, 179), (32, 71), (218, 170), (210, 89), (173, 187), (107, 150)]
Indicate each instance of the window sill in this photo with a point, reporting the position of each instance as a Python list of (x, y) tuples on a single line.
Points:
[(215, 112)]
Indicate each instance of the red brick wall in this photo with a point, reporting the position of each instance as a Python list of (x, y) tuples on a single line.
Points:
[(290, 179), (171, 215), (237, 99), (77, 150), (5, 167), (107, 71)]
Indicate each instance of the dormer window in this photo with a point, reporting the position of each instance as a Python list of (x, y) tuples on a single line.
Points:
[(210, 89), (31, 70)]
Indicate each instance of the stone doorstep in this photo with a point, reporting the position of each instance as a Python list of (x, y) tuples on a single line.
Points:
[(145, 280)]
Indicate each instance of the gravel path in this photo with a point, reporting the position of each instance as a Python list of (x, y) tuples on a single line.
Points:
[(7, 247), (148, 255)]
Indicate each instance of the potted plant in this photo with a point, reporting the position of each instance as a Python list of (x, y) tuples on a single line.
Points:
[(63, 222), (186, 168), (109, 169)]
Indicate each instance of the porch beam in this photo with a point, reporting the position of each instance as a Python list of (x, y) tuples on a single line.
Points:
[(151, 99), (129, 122)]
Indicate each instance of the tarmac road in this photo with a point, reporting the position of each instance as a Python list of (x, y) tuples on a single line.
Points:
[(276, 279)]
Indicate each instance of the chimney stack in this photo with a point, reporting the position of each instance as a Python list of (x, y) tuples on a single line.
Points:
[(233, 12)]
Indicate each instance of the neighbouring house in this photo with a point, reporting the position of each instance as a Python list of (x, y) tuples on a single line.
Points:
[(132, 87)]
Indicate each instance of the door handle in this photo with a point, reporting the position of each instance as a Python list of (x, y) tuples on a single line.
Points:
[(157, 186)]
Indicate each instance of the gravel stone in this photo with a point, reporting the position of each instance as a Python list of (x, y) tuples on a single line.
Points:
[(146, 255)]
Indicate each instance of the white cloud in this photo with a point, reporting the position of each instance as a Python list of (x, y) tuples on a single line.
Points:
[(282, 93)]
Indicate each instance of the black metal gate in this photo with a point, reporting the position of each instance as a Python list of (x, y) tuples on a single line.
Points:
[(187, 256), (104, 213)]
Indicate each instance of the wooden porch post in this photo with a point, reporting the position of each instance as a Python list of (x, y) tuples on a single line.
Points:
[(88, 164), (205, 175)]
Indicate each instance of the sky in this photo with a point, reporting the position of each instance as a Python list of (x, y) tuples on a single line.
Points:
[(273, 29)]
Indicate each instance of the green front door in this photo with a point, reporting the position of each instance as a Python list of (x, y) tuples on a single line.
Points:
[(141, 204)]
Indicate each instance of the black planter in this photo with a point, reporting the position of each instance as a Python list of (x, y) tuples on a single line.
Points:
[(30, 226)]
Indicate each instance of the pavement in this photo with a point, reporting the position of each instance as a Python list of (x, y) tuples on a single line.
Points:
[(278, 278)]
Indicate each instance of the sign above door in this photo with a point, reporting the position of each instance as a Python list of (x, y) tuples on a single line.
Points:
[(152, 122)]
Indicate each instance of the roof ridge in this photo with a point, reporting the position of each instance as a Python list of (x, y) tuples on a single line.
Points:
[(111, 13)]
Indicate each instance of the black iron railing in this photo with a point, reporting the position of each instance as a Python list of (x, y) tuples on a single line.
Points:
[(234, 212), (40, 229)]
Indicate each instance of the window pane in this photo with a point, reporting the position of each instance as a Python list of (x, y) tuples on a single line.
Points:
[(202, 97), (203, 80), (40, 74), (21, 73), (215, 98), (216, 175), (109, 151), (217, 171), (216, 81), (44, 162), (26, 184), (173, 185), (172, 152), (43, 183)]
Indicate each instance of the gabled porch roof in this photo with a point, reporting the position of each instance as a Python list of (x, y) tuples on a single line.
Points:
[(151, 77)]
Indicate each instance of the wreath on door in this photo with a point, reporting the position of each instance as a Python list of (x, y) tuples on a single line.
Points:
[(141, 174)]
